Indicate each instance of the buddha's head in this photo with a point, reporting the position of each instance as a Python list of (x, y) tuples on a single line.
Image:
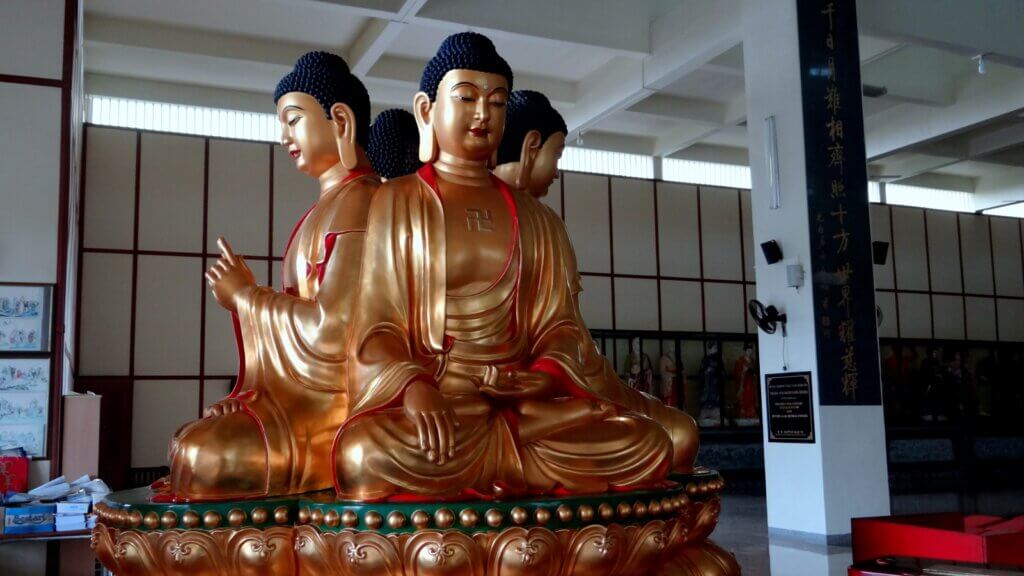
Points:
[(324, 112), (460, 108), (394, 144), (533, 143)]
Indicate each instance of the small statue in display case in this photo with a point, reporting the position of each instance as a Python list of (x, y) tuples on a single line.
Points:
[(667, 372), (639, 370), (712, 377), (745, 372)]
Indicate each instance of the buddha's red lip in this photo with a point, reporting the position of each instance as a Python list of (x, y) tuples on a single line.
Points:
[(478, 131), (294, 153)]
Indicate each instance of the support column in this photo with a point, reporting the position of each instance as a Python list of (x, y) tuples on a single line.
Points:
[(802, 67)]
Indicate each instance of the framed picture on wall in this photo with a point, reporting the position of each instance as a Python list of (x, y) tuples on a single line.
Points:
[(24, 318), (24, 404)]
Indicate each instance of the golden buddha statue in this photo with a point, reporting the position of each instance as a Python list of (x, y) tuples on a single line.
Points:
[(470, 370), (273, 434), (528, 162)]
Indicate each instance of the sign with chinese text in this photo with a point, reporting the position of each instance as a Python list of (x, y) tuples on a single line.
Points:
[(837, 194), (790, 407)]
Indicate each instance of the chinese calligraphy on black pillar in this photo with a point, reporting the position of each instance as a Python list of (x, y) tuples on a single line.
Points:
[(842, 279)]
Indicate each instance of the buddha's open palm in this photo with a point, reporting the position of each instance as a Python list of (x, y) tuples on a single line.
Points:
[(517, 384), (229, 277)]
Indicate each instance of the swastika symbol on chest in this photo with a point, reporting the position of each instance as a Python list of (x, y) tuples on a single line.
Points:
[(479, 219)]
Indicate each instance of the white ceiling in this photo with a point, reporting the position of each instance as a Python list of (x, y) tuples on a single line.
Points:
[(650, 76)]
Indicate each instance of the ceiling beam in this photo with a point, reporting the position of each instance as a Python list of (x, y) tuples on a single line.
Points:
[(377, 36), (682, 41)]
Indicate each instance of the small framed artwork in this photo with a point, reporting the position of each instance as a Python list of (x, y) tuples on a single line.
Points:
[(25, 318)]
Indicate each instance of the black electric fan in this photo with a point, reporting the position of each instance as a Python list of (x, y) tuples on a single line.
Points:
[(767, 318)]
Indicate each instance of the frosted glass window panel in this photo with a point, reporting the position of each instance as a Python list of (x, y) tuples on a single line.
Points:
[(579, 159), (720, 227), (1011, 211), (109, 211), (949, 317), (681, 306), (278, 278), (171, 193), (294, 193), (239, 196), (1006, 251), (929, 198), (981, 318), (678, 230), (881, 232), (106, 310), (586, 219), (181, 118), (221, 358), (706, 173), (723, 305), (633, 226), (167, 319), (977, 254), (596, 302), (909, 249), (915, 315), (636, 304), (1011, 320), (159, 408), (874, 191), (887, 302), (943, 251)]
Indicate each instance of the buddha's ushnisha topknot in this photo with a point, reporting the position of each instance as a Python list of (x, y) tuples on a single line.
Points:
[(463, 51), (327, 78), (394, 144), (527, 110)]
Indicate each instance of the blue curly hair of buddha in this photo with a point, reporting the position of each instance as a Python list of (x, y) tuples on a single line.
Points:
[(463, 51), (327, 78), (527, 110), (394, 144)]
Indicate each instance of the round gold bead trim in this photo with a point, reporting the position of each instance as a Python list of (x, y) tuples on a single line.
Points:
[(519, 515), (303, 515), (468, 518), (606, 511), (281, 515), (236, 517), (494, 518), (373, 520), (444, 518), (135, 519), (349, 519), (564, 513), (586, 512), (211, 519), (420, 519), (542, 515), (624, 510), (332, 518), (316, 516), (190, 519), (396, 520), (151, 520), (168, 520), (640, 510), (259, 515)]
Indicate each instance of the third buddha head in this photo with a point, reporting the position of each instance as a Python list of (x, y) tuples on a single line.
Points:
[(460, 108), (533, 143), (324, 112)]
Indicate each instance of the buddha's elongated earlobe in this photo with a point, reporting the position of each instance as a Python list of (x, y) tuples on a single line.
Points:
[(344, 117), (421, 106), (527, 158)]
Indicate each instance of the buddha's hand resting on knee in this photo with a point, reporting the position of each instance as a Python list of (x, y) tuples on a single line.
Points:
[(229, 405), (434, 420), (517, 384), (229, 277)]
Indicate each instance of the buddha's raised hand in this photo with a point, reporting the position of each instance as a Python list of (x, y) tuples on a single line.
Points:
[(229, 276)]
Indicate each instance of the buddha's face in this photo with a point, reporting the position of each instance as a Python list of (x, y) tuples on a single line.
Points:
[(306, 132), (468, 114), (545, 166)]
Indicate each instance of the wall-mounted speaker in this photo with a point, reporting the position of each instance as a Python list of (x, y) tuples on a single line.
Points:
[(879, 252), (772, 251)]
